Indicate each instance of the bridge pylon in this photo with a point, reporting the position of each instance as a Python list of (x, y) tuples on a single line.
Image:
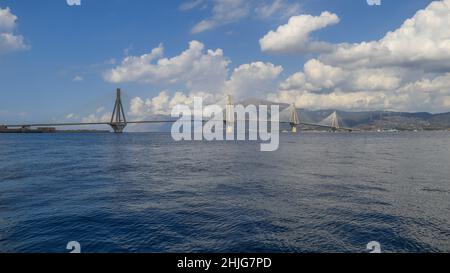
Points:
[(118, 119), (229, 112), (332, 121), (294, 120)]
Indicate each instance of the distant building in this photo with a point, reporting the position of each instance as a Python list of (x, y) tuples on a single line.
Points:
[(46, 129)]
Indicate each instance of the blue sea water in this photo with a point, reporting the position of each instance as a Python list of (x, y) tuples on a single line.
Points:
[(320, 192)]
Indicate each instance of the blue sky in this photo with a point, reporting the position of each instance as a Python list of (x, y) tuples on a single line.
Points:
[(68, 51)]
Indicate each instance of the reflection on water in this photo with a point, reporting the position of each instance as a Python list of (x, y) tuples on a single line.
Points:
[(319, 192)]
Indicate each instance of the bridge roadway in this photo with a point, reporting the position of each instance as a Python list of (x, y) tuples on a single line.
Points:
[(150, 122)]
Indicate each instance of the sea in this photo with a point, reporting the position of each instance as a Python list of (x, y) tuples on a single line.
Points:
[(320, 192)]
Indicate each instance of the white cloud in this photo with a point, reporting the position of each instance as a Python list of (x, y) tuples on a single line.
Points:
[(281, 8), (295, 35), (73, 2), (137, 107), (248, 80), (7, 20), (335, 100), (72, 116), (99, 116), (407, 70), (100, 109), (163, 103), (318, 77), (375, 81), (323, 76), (158, 105), (78, 79), (224, 12), (191, 4), (9, 41), (195, 68), (368, 89), (198, 71), (428, 95), (422, 42), (94, 118), (252, 80)]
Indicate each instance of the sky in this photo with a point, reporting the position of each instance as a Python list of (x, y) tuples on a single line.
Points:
[(61, 60)]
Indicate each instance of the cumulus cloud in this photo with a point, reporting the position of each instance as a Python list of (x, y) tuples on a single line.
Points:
[(252, 80), (407, 70), (164, 102), (9, 41), (428, 95), (368, 89), (422, 42), (198, 72), (7, 20), (248, 80), (318, 77), (156, 106), (335, 100), (195, 68), (295, 35), (329, 80)]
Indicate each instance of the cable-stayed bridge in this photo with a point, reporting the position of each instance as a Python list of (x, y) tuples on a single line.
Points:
[(332, 122), (119, 121)]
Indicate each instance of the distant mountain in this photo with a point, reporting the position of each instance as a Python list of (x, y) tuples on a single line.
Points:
[(383, 120)]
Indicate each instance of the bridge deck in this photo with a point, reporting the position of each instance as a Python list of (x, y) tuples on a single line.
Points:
[(147, 122)]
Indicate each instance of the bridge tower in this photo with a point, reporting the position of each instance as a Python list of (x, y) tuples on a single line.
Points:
[(332, 121), (229, 119), (118, 119), (294, 119), (335, 121)]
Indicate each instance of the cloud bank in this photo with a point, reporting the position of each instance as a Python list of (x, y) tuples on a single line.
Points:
[(198, 72), (406, 70)]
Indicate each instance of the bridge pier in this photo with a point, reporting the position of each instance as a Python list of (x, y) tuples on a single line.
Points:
[(293, 128), (118, 119), (118, 128)]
